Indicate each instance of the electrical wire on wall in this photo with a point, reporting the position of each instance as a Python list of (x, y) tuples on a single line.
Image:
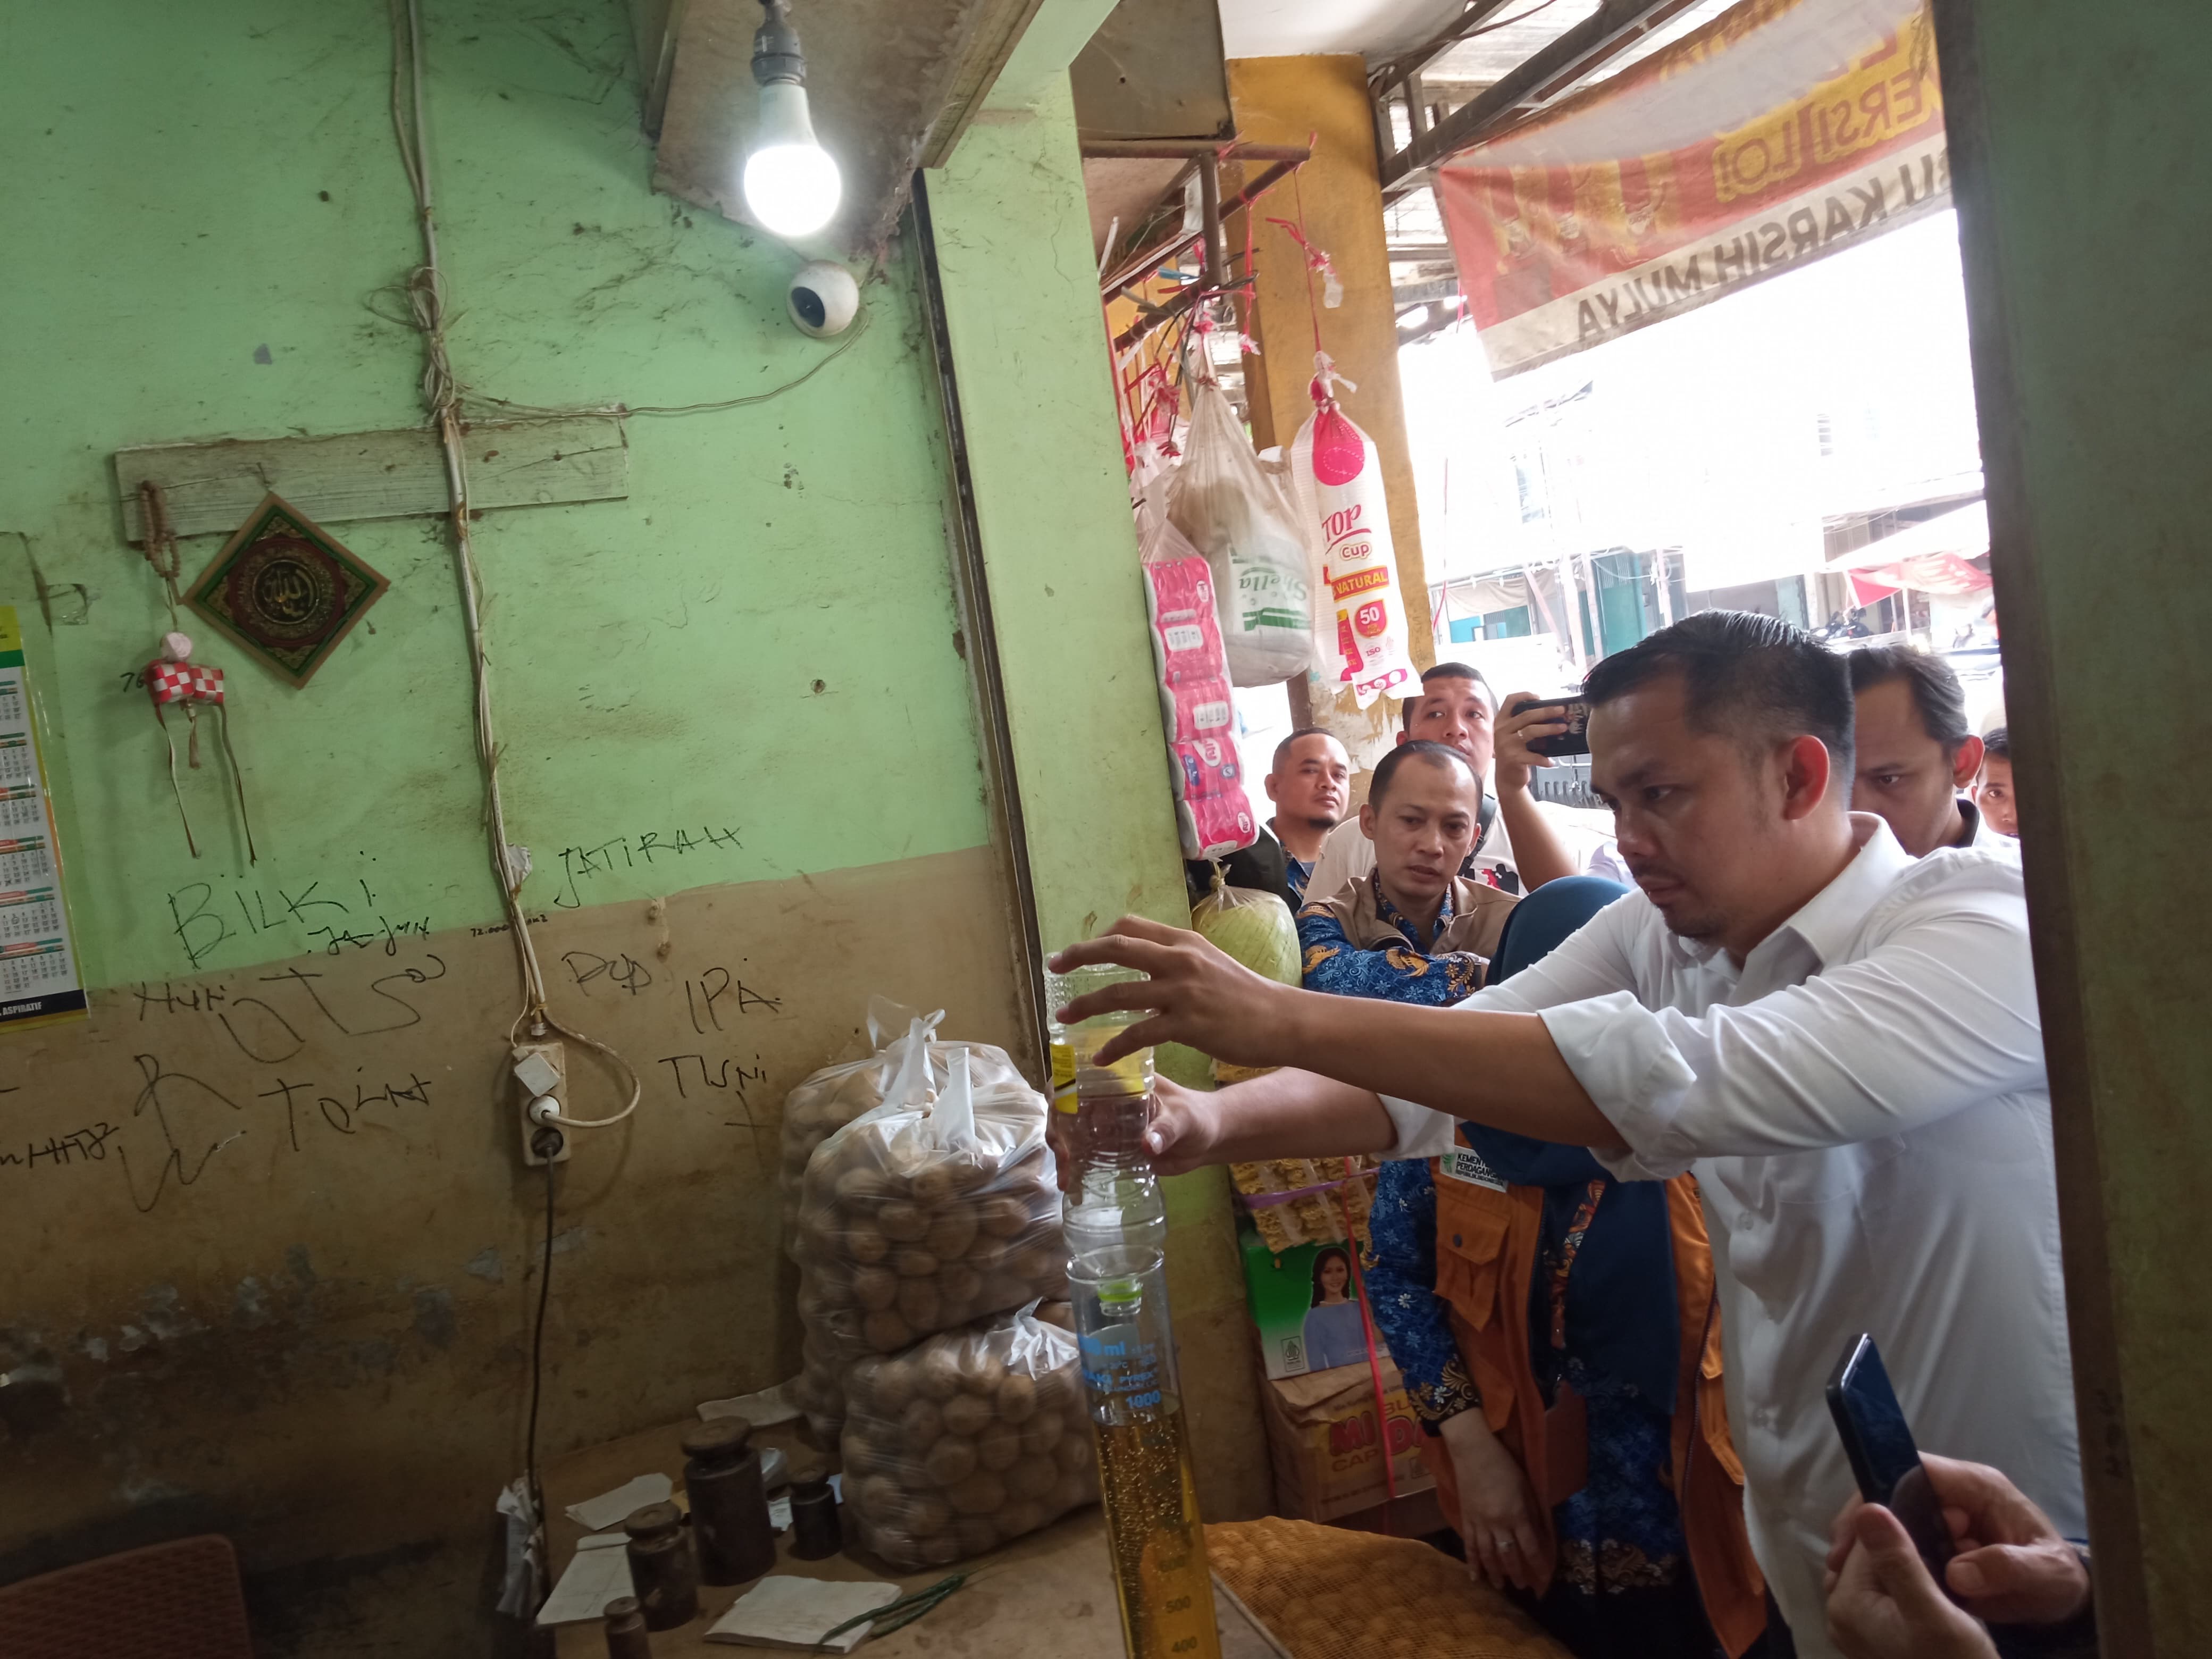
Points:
[(448, 399)]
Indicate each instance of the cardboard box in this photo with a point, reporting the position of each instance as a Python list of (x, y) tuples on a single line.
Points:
[(1327, 1446), (1300, 1330)]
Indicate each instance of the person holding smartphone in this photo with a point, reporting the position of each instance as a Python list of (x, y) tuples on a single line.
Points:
[(1841, 1042), (2016, 1586)]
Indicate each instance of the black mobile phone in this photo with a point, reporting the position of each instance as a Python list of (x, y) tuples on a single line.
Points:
[(1574, 740), (1884, 1460)]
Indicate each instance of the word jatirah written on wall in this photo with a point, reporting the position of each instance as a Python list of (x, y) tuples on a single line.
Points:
[(274, 1063)]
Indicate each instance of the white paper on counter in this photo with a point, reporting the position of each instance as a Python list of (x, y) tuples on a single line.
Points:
[(599, 1574), (784, 1610), (763, 1410), (597, 1513)]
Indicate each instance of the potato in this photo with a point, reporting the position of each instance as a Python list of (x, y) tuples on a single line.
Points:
[(884, 1331), (865, 1455), (953, 1231), (895, 1385), (1002, 1290), (1060, 1391), (877, 1492), (927, 1515), (980, 1493), (1020, 1516), (951, 1461), (939, 1375), (1041, 1261), (1074, 1452), (980, 1370), (968, 1176), (968, 1414), (998, 1445), (959, 1282), (941, 1551), (921, 1426), (933, 1185), (860, 1185), (914, 1263), (917, 1304), (902, 1222), (1034, 1478), (975, 1536), (875, 1288), (1002, 1215), (952, 1313), (987, 1255), (1041, 1433), (862, 1244), (1015, 1398)]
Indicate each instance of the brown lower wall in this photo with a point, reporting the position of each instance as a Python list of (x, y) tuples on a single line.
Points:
[(272, 1228)]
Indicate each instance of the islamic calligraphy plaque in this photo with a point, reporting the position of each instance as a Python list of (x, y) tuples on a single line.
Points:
[(286, 589)]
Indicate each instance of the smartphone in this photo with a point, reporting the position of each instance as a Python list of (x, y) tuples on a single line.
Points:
[(1884, 1459), (1574, 740)]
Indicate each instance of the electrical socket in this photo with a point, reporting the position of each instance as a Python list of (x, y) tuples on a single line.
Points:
[(540, 1070)]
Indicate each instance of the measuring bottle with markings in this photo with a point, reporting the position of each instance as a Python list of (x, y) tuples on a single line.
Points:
[(1116, 1228)]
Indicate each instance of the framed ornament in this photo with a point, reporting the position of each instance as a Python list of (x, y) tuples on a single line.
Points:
[(286, 589)]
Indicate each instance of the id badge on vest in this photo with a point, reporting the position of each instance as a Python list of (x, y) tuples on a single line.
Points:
[(1465, 1163)]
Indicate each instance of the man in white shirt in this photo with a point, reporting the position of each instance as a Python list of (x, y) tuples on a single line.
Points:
[(1842, 1041), (1914, 751)]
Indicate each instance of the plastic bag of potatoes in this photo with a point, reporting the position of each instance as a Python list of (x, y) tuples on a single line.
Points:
[(914, 1219), (966, 1441), (906, 1067)]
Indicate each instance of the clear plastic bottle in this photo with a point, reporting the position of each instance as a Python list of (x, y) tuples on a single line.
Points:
[(1116, 1227)]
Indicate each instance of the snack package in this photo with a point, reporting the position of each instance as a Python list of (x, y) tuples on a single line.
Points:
[(916, 1218), (1360, 608), (967, 1441), (1300, 1200), (1213, 814), (907, 1067), (1233, 516)]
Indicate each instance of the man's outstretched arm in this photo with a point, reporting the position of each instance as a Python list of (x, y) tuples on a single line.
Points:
[(1497, 1068)]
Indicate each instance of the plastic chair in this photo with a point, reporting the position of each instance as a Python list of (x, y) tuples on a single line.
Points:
[(176, 1600)]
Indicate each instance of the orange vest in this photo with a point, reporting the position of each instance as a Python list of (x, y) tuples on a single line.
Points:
[(1487, 1244)]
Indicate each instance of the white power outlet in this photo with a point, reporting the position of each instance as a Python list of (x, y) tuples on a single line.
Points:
[(540, 1071)]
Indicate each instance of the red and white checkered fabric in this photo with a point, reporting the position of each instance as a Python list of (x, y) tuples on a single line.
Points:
[(183, 682)]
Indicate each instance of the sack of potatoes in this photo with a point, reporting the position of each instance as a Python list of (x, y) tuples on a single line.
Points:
[(905, 1066), (914, 1219), (966, 1441)]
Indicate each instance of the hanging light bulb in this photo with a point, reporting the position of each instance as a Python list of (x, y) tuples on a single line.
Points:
[(791, 185)]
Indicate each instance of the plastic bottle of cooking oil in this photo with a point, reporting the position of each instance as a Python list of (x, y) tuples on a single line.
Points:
[(1116, 1228)]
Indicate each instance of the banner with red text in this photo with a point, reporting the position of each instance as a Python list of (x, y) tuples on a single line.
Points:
[(1782, 131)]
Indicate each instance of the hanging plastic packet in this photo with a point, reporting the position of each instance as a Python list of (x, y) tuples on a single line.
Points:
[(1213, 814), (1336, 478), (1224, 503)]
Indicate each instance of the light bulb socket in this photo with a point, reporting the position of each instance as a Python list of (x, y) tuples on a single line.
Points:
[(776, 56)]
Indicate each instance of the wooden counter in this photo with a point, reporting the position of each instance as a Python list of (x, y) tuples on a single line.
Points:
[(1050, 1594)]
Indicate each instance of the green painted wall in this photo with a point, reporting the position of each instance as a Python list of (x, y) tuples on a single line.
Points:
[(655, 658), (1036, 400)]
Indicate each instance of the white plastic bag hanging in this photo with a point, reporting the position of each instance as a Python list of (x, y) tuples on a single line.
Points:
[(1221, 499), (1359, 611)]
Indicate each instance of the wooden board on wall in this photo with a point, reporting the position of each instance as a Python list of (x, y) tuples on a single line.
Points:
[(212, 487), (274, 1227)]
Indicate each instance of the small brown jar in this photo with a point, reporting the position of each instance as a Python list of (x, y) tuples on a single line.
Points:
[(661, 1569), (729, 1509), (816, 1531), (625, 1628)]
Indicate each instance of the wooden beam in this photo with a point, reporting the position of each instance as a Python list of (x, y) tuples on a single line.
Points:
[(212, 487)]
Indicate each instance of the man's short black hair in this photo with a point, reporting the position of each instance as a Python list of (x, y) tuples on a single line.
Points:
[(1998, 742), (1283, 749), (1746, 676), (1437, 754), (1935, 689), (1443, 670)]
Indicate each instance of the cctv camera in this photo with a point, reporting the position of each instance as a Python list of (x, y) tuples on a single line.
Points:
[(823, 298)]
